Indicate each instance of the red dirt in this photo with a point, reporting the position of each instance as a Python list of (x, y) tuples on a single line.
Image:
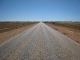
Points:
[(70, 32), (9, 34)]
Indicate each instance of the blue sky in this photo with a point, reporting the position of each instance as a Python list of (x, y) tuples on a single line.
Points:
[(39, 10)]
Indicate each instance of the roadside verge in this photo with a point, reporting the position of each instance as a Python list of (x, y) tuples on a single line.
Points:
[(70, 32), (9, 34)]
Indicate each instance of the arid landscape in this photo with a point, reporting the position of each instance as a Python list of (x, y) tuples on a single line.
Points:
[(7, 26), (10, 29), (38, 41), (70, 29), (39, 29)]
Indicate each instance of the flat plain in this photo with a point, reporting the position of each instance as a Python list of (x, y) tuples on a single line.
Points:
[(70, 29), (10, 29), (40, 42)]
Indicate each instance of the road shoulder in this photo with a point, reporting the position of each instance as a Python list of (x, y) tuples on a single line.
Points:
[(9, 34), (67, 31)]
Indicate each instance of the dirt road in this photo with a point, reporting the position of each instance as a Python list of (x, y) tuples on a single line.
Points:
[(40, 42)]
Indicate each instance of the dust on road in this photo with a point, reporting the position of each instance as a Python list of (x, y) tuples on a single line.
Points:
[(40, 43)]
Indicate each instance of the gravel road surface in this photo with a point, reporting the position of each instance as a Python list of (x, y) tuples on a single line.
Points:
[(40, 42)]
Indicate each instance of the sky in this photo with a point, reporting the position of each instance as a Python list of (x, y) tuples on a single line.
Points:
[(39, 10)]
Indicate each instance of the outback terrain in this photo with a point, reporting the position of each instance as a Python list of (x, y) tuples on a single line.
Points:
[(70, 29), (10, 29), (40, 42)]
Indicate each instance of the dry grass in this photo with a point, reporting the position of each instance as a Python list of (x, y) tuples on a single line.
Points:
[(70, 29), (7, 26), (72, 25), (11, 29)]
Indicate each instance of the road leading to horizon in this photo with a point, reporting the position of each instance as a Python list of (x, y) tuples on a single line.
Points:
[(40, 42)]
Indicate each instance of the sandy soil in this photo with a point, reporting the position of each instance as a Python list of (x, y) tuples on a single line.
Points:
[(72, 33), (7, 35)]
